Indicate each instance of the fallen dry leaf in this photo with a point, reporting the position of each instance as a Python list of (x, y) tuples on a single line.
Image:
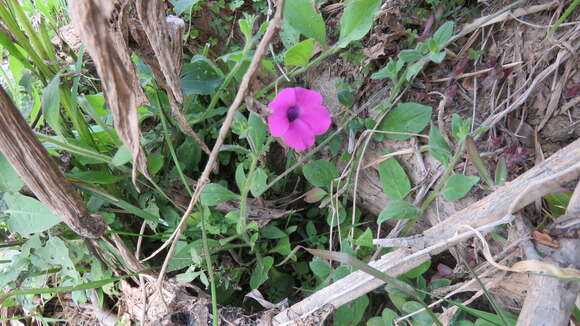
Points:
[(117, 72)]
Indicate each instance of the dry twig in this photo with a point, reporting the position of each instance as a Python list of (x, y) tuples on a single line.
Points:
[(242, 90)]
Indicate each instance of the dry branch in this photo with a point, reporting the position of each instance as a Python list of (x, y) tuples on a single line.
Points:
[(117, 72), (550, 300), (159, 45), (489, 210), (152, 16), (224, 130), (38, 170)]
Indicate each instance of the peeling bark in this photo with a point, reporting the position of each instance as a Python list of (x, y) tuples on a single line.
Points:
[(40, 173)]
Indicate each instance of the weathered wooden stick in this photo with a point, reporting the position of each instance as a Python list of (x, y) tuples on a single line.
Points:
[(38, 170), (487, 211), (550, 301)]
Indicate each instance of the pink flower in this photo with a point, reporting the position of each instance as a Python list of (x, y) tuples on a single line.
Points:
[(298, 116)]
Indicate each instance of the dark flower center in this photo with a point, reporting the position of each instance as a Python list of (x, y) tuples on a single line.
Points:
[(292, 113)]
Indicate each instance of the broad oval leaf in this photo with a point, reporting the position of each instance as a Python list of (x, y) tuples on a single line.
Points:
[(9, 179), (399, 209), (258, 132), (320, 268), (443, 34), (180, 6), (28, 215), (214, 194), (299, 54), (200, 77), (259, 182), (458, 186), (319, 173), (395, 182), (406, 117), (357, 20), (410, 55), (260, 274), (438, 147), (302, 16)]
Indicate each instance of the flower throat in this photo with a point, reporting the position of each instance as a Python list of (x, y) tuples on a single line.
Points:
[(292, 113)]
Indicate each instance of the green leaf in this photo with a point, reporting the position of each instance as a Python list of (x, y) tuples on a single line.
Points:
[(390, 70), (259, 182), (420, 319), (283, 247), (155, 163), (320, 268), (437, 57), (180, 6), (398, 209), (388, 316), (289, 35), (443, 34), (260, 274), (395, 182), (351, 313), (483, 322), (501, 172), (314, 195), (272, 232), (200, 77), (258, 132), (413, 70), (299, 54), (376, 321), (51, 105), (96, 177), (458, 186), (365, 239), (357, 20), (246, 26), (319, 173), (410, 55), (419, 270), (28, 215), (406, 117), (9, 180), (240, 176), (475, 158), (214, 194), (460, 127), (301, 15), (438, 147), (345, 97), (557, 202)]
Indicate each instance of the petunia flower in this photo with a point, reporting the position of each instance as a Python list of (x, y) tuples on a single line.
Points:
[(298, 115)]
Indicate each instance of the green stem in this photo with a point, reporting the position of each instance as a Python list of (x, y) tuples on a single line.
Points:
[(441, 183), (209, 265), (171, 148), (438, 187), (217, 95), (244, 198)]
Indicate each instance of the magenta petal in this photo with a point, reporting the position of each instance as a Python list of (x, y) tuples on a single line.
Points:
[(306, 97), (317, 117), (299, 136), (285, 99), (278, 123)]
